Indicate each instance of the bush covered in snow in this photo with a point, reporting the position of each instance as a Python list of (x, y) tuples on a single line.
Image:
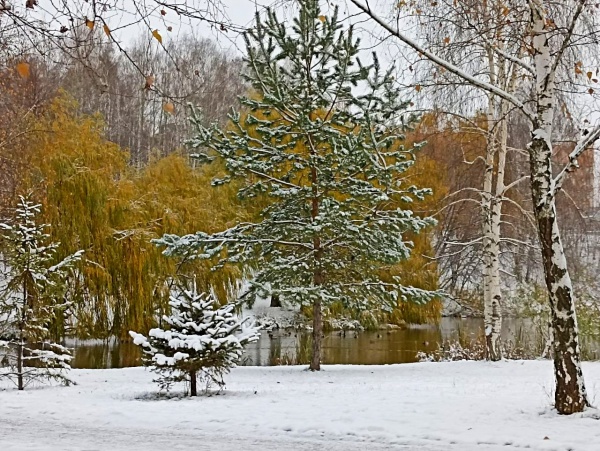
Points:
[(202, 342)]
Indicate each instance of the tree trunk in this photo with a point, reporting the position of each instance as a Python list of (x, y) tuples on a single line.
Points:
[(491, 270), (193, 384), (491, 244), (318, 277), (275, 301), (315, 359), (20, 384), (491, 206), (27, 307), (494, 313), (570, 394)]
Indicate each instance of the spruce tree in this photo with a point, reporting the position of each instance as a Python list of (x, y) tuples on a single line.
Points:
[(202, 341), (321, 139), (32, 300)]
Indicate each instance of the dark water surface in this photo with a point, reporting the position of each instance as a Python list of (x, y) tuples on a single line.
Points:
[(379, 347)]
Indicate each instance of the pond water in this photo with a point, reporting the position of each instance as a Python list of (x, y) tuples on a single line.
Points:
[(378, 347)]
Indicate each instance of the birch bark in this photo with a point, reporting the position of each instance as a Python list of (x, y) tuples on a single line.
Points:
[(570, 392)]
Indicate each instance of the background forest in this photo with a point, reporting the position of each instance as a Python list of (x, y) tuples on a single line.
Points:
[(102, 148)]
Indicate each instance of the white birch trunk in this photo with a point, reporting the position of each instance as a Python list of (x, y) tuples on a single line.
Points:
[(570, 395), (490, 230), (495, 307), (491, 206)]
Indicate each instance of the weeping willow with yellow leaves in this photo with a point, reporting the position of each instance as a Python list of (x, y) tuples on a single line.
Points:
[(97, 203)]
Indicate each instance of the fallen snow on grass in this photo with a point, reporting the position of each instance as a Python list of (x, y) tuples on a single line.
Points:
[(426, 406)]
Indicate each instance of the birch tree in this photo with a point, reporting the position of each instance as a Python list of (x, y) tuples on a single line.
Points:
[(453, 31), (552, 34)]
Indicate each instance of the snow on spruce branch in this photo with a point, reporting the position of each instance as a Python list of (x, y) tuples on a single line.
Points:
[(202, 341)]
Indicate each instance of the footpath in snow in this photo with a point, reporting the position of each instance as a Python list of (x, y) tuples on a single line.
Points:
[(425, 406)]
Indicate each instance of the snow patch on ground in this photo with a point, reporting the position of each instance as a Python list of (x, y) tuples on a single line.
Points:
[(427, 406)]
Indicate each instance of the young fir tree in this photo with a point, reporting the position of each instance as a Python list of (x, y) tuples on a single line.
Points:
[(202, 342), (31, 300), (322, 140)]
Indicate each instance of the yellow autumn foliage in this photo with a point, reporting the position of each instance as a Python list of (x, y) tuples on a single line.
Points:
[(97, 203)]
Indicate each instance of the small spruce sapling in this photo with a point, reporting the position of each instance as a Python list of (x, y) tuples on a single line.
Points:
[(202, 343), (32, 298)]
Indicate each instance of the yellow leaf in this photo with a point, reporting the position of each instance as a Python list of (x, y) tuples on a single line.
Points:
[(169, 108), (23, 69), (89, 23), (157, 36), (589, 75), (505, 11), (106, 30), (149, 81), (322, 18)]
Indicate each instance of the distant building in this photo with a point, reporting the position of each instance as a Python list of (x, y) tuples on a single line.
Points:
[(582, 185)]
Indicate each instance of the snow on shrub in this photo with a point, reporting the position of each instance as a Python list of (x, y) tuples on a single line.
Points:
[(202, 342)]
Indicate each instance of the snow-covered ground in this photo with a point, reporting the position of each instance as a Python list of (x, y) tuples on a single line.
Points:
[(425, 406)]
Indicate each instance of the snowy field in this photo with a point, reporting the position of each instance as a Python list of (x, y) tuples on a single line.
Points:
[(425, 406)]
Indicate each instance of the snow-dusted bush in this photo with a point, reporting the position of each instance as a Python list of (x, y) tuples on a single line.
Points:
[(203, 341), (521, 346), (451, 351), (32, 298)]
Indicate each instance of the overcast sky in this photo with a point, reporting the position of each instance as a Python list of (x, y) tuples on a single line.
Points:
[(242, 12)]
